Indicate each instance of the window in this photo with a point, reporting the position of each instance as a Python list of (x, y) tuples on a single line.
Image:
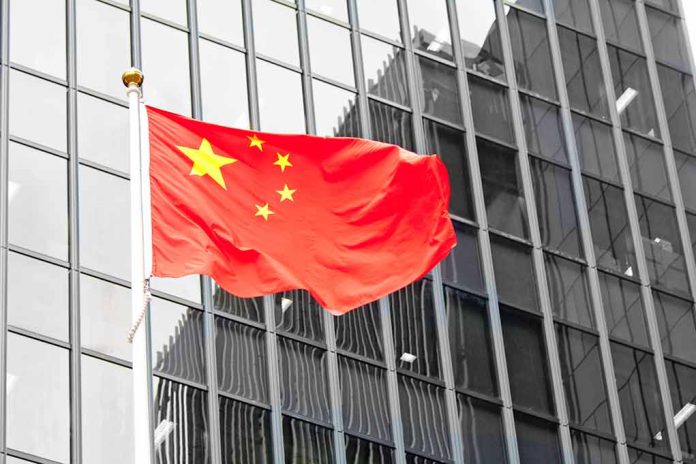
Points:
[(623, 309), (686, 167), (173, 10), (44, 51), (245, 433), (568, 290), (589, 449), (384, 67), (682, 387), (223, 85), (221, 19), (621, 23), (247, 308), (297, 313), (360, 332), (391, 125), (595, 147), (304, 442), (679, 98), (482, 431), (430, 27), (575, 13), (677, 323), (480, 37), (668, 39), (358, 450), (335, 8), (105, 144), (462, 267), (335, 110), (275, 31), (514, 273), (103, 320), (647, 163), (439, 90), (241, 360), (280, 97), (380, 16), (537, 440), (534, 5), (332, 61), (543, 128), (491, 109)]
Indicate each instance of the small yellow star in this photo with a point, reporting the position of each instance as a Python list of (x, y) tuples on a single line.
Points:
[(254, 141), (207, 162), (286, 193), (263, 211), (283, 161)]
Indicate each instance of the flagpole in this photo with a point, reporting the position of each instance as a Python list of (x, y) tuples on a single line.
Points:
[(142, 383)]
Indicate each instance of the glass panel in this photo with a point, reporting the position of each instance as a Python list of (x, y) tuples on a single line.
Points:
[(568, 290), (596, 147), (514, 274), (589, 449), (104, 317), (424, 404), (623, 309), (275, 31), (682, 387), (470, 342), (37, 35), (365, 399), (166, 65), (415, 329), (107, 412), (241, 360), (361, 451), (575, 13), (480, 37), (303, 384), (177, 340), (385, 69), (380, 16), (482, 431), (647, 162), (187, 287), (181, 413), (553, 192), (297, 313), (173, 10), (668, 40), (543, 128), (37, 296), (280, 98), (526, 361), (430, 27), (686, 166), (305, 442), (535, 5), (248, 308), (221, 19), (663, 248), (103, 46), (390, 125), (104, 207), (620, 22), (643, 457), (335, 8), (245, 433), (38, 110), (679, 98), (583, 72), (335, 61), (223, 85), (38, 403), (677, 323), (583, 380), (360, 332), (502, 188), (38, 201), (105, 144), (530, 49), (450, 144), (691, 223), (439, 91), (537, 440), (491, 109), (462, 267), (610, 228), (336, 111)]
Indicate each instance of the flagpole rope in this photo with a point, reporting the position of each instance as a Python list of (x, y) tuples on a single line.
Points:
[(141, 316)]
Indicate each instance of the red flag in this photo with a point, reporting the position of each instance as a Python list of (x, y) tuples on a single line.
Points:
[(349, 220)]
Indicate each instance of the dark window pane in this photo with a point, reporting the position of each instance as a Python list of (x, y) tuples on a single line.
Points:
[(305, 442), (620, 22), (686, 166), (482, 431), (391, 125), (514, 274), (623, 309), (677, 323), (555, 207), (639, 396), (182, 413), (682, 387), (537, 440), (470, 342), (480, 37), (668, 39), (583, 71), (596, 147), (415, 329), (647, 162), (360, 332), (691, 221), (303, 384), (543, 128), (365, 399), (610, 229), (530, 49), (462, 267), (413, 459), (450, 144), (680, 105), (583, 379), (491, 109), (643, 457), (662, 244), (365, 452), (575, 13), (248, 308), (385, 69), (569, 291), (502, 188), (589, 449), (245, 433), (439, 92), (297, 313), (241, 360), (526, 361), (424, 404), (430, 27)]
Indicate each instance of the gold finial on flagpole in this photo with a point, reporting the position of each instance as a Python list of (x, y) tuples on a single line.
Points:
[(133, 76)]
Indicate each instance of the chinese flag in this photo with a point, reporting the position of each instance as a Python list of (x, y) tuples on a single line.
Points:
[(347, 219)]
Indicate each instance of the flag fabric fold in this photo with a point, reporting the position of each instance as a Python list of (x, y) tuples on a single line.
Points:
[(347, 219)]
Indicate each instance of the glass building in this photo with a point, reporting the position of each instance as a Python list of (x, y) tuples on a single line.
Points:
[(560, 330)]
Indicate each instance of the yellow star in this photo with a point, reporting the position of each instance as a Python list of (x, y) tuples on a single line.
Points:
[(254, 141), (286, 193), (263, 211), (207, 162), (283, 161)]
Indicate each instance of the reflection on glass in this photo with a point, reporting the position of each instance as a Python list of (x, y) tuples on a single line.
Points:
[(596, 147), (172, 10), (575, 13), (480, 36), (275, 31), (686, 167), (248, 308), (462, 267), (330, 50), (621, 23), (37, 35), (334, 8), (677, 323), (221, 19), (647, 162), (297, 313), (682, 387), (668, 41), (537, 440), (623, 309), (534, 5), (391, 125), (358, 450), (304, 442), (223, 85), (439, 91), (380, 16), (187, 287), (543, 128), (568, 290), (106, 144), (679, 98), (385, 70), (589, 449), (643, 457), (336, 111), (482, 431), (491, 109), (38, 216), (430, 27), (360, 332), (245, 433), (280, 99)]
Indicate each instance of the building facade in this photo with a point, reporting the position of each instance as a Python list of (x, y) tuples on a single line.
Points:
[(560, 330)]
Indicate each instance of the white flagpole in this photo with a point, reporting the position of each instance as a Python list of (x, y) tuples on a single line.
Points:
[(142, 383)]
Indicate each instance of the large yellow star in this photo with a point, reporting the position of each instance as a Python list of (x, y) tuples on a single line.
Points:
[(254, 141), (286, 193), (263, 211), (283, 161), (207, 162)]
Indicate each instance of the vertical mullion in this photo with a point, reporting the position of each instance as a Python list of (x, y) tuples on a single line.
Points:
[(250, 57), (136, 49), (4, 205), (274, 381), (537, 251), (358, 69), (586, 238), (307, 94), (205, 281), (625, 176)]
